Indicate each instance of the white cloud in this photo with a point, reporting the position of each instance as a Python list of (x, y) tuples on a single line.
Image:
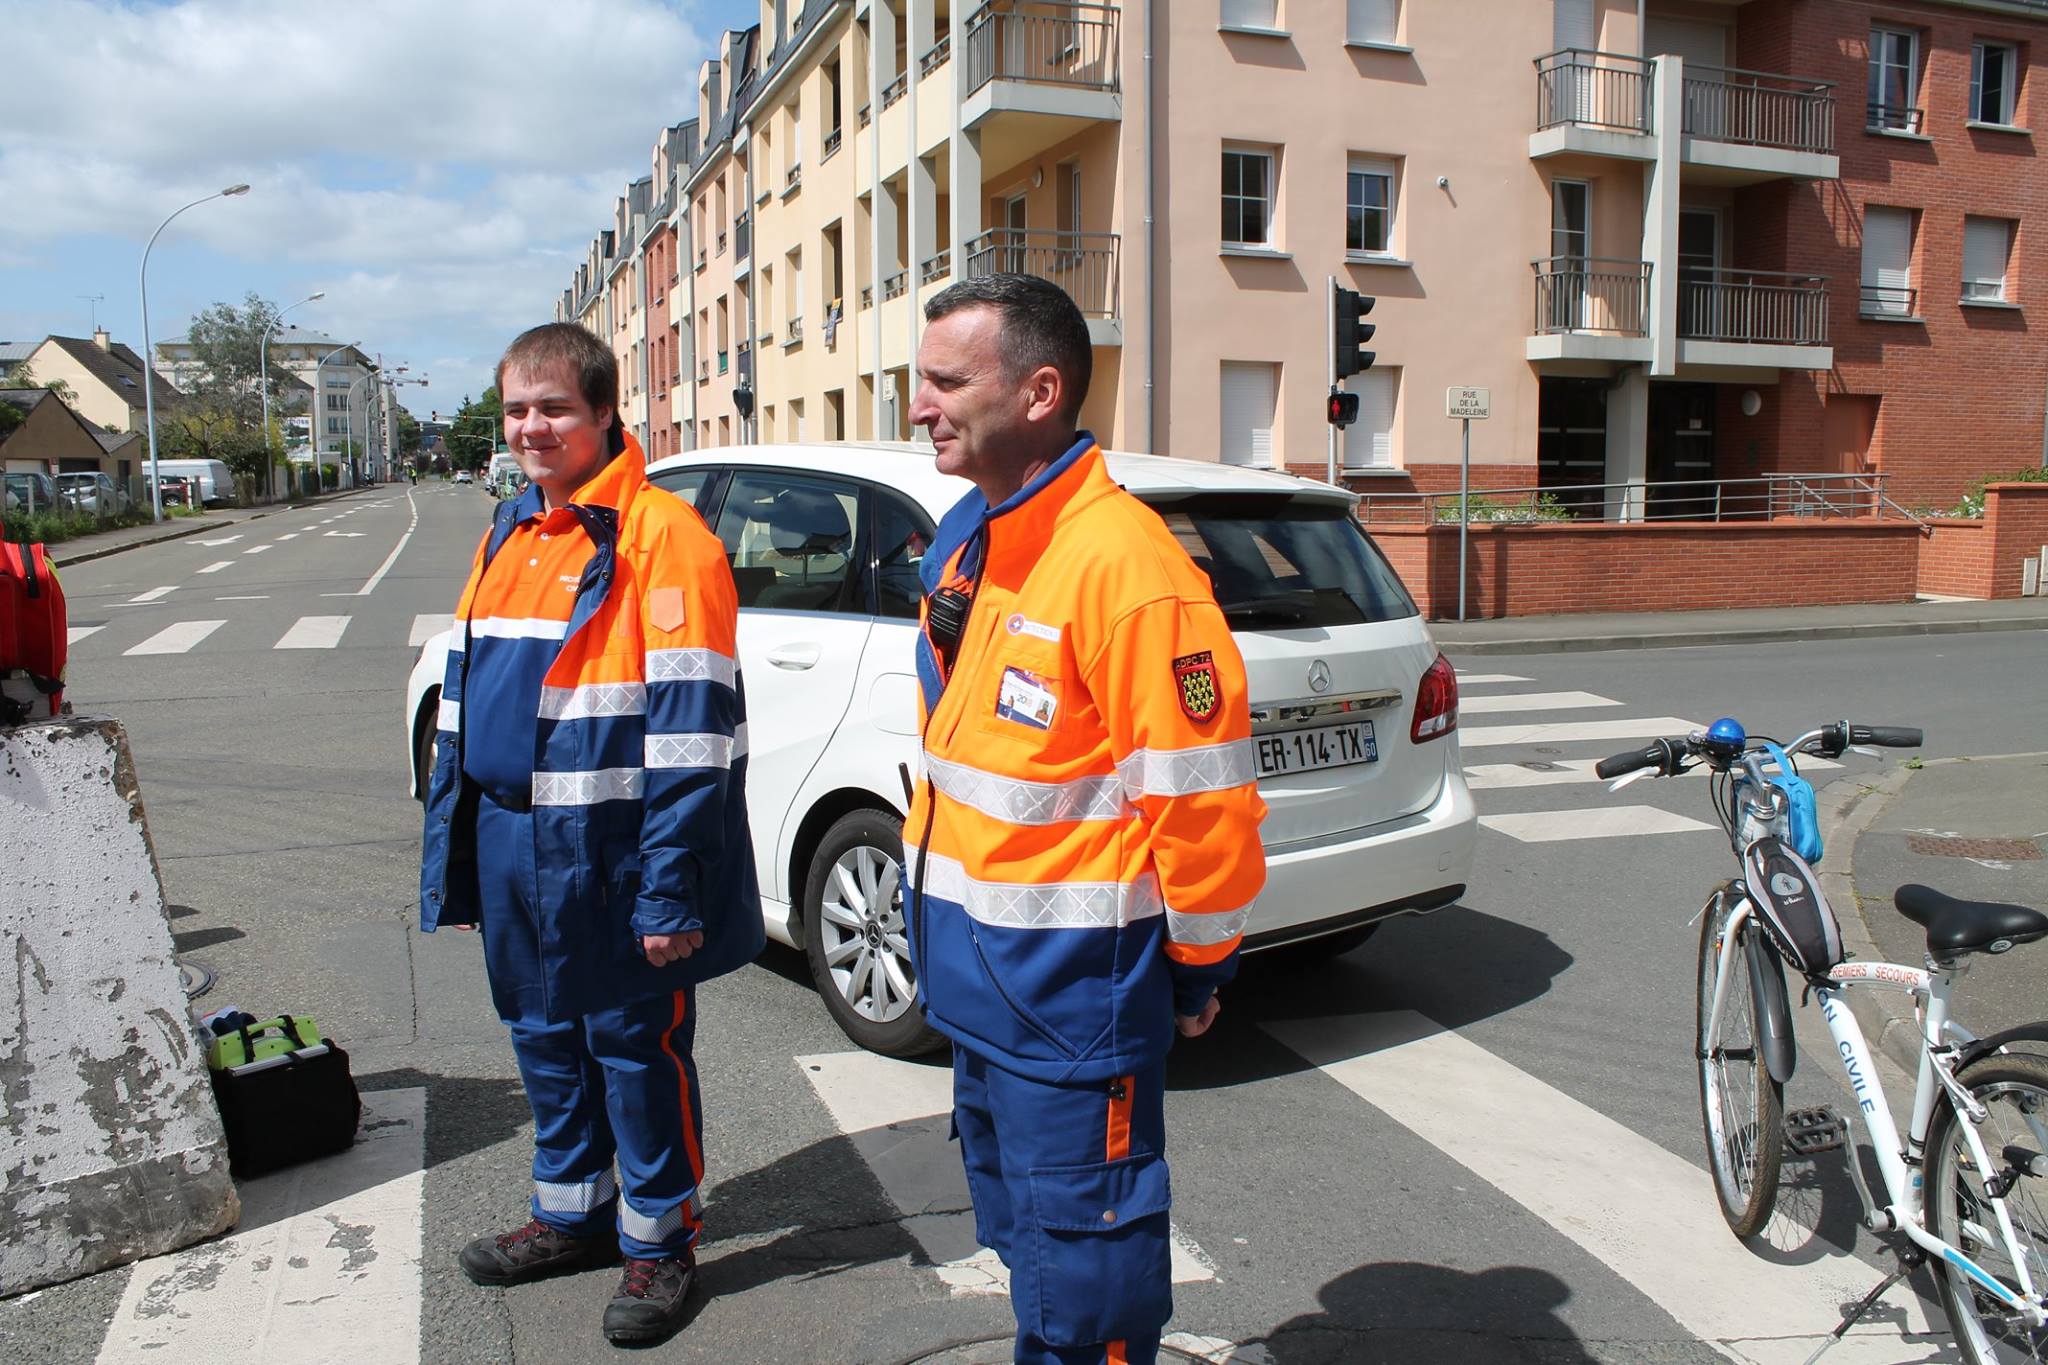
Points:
[(436, 167)]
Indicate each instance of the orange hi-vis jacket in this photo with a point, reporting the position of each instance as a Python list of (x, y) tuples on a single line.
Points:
[(1084, 849), (616, 715)]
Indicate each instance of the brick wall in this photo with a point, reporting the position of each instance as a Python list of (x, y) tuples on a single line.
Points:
[(1962, 390), (1536, 570), (1983, 558)]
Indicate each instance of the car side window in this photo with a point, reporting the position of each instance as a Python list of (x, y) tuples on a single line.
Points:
[(902, 535), (687, 484), (790, 541)]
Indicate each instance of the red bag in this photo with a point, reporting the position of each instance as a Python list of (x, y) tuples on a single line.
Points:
[(34, 635)]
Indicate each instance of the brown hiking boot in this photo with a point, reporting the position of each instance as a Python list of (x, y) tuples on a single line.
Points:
[(533, 1252), (648, 1305)]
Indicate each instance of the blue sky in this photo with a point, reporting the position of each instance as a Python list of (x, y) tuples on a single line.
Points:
[(437, 168)]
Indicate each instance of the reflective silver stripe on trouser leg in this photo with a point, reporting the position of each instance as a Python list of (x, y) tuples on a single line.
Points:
[(575, 1196), (656, 1230)]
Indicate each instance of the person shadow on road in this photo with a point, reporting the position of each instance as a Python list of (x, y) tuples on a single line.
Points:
[(1406, 1313)]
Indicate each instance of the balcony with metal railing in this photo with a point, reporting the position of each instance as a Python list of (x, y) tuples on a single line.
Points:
[(833, 138), (1752, 307), (896, 89), (1892, 118), (1736, 127), (1042, 69), (935, 267), (1084, 264), (894, 286), (1893, 302), (743, 235), (1592, 296), (935, 56)]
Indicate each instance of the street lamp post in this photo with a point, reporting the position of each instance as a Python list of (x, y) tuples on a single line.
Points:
[(156, 490), (263, 358), (319, 367), (389, 389)]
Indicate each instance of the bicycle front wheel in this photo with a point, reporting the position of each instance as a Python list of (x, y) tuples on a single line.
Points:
[(1742, 1107), (1962, 1212)]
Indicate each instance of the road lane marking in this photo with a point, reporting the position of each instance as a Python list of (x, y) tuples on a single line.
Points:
[(427, 625), (349, 535), (314, 632), (255, 549), (1594, 822), (289, 535), (176, 639), (1647, 1215), (1475, 679), (154, 594), (326, 1253), (1565, 732), (216, 567), (1532, 701), (259, 597), (218, 540), (396, 550), (73, 634), (1498, 776), (891, 1110)]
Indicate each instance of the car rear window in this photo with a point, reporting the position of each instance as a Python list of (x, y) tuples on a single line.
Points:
[(1280, 563)]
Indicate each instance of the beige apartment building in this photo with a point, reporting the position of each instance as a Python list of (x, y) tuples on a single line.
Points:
[(1639, 224)]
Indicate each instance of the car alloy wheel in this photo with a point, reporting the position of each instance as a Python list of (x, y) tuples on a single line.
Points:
[(855, 937)]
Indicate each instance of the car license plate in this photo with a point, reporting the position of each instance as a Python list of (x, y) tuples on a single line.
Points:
[(1327, 746)]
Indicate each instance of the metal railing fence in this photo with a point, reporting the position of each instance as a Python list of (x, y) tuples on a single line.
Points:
[(1085, 264), (1049, 42)]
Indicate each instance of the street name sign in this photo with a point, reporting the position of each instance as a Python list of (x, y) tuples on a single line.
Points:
[(1471, 404)]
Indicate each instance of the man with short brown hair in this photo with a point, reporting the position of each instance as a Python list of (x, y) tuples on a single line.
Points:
[(588, 813)]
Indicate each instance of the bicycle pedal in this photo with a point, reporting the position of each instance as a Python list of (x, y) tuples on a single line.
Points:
[(1809, 1131)]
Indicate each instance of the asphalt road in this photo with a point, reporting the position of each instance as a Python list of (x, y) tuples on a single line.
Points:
[(1473, 1140)]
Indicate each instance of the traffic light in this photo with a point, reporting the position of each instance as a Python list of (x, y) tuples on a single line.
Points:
[(1343, 408), (743, 401), (1352, 332)]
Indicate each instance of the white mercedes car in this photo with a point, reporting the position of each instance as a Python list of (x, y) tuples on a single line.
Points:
[(1354, 712)]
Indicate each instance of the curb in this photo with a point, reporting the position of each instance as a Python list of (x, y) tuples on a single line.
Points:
[(64, 560), (1847, 807), (1770, 635)]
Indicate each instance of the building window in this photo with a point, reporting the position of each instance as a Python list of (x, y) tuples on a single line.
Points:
[(1249, 14), (1894, 60), (1993, 67), (1887, 262), (1369, 442), (1250, 399), (1372, 21), (1247, 197), (1369, 207), (1987, 247)]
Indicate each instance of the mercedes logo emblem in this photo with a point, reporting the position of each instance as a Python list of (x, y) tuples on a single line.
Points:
[(1319, 676)]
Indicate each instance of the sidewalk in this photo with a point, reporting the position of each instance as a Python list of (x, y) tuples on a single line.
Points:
[(1666, 629), (1909, 826), (100, 544)]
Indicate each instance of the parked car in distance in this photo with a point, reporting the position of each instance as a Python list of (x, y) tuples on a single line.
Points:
[(98, 493), (1354, 711), (28, 490)]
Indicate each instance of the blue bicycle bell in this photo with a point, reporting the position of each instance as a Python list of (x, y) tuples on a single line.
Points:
[(1725, 738)]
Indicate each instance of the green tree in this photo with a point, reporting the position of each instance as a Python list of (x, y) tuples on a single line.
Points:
[(221, 416), (473, 435), (200, 428), (408, 433), (24, 378)]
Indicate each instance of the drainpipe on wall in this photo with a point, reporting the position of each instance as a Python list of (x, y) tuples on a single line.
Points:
[(1151, 103), (875, 192), (750, 424)]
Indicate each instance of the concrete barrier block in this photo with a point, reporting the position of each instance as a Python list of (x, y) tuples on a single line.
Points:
[(110, 1143)]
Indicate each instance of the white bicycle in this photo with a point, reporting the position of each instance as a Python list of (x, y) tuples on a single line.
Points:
[(1967, 1187)]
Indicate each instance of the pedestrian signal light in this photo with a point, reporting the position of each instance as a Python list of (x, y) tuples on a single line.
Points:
[(1343, 408), (1352, 332)]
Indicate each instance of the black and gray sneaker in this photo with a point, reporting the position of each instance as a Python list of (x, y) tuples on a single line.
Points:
[(648, 1305), (533, 1252)]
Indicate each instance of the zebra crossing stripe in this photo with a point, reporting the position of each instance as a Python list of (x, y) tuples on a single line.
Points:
[(1476, 679), (1567, 732), (1646, 1214), (314, 632), (1596, 822), (893, 1111), (325, 1263), (1501, 776), (1531, 701), (154, 594), (176, 639), (73, 634), (216, 566), (427, 625)]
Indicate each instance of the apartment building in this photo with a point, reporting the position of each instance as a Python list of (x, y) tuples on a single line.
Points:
[(671, 402), (1693, 248), (343, 400)]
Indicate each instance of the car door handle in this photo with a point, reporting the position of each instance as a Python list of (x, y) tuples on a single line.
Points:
[(794, 657)]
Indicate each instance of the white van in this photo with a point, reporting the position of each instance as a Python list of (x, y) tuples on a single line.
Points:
[(216, 485)]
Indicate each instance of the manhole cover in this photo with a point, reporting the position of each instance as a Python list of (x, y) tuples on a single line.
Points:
[(1945, 846), (1537, 765)]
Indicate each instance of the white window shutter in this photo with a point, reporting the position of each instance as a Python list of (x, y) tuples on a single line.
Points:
[(1251, 391), (1888, 255), (1571, 25), (1248, 13), (1369, 442), (1984, 257), (1373, 21)]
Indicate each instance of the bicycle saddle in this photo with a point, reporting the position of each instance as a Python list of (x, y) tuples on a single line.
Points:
[(1960, 926)]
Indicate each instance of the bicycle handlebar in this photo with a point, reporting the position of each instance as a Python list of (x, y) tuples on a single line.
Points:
[(1662, 754), (1829, 741), (1886, 736)]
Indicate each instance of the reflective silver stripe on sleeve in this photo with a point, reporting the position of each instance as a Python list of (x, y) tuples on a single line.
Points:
[(1201, 930), (593, 699), (585, 1196), (516, 628), (1049, 905), (1028, 803), (690, 665), (586, 789), (450, 716), (692, 751), (1183, 772)]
